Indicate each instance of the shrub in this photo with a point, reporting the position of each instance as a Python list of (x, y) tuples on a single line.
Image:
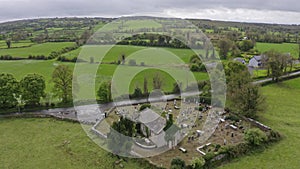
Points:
[(198, 163), (144, 106), (202, 68), (232, 118), (177, 163), (255, 137), (137, 93), (200, 108), (194, 68)]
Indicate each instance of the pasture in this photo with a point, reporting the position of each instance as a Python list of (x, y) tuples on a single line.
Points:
[(282, 114), (19, 44), (36, 143), (104, 72), (37, 49), (114, 53), (291, 48)]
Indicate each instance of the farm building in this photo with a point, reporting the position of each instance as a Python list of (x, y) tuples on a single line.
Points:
[(257, 61), (241, 60)]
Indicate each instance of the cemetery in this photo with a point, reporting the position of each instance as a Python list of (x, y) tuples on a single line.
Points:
[(190, 116)]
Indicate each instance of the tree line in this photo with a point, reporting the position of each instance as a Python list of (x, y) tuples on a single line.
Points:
[(30, 90)]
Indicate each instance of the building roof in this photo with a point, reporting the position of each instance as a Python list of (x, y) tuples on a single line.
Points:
[(258, 58), (239, 60), (152, 120)]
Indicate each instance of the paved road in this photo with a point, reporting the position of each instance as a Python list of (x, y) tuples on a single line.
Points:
[(90, 113), (93, 110), (282, 77)]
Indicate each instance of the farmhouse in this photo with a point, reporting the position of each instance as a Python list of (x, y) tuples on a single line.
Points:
[(256, 61)]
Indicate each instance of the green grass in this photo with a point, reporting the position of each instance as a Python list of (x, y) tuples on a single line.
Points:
[(19, 44), (282, 114), (40, 143), (132, 24), (105, 72), (284, 48), (38, 49), (21, 68), (115, 53)]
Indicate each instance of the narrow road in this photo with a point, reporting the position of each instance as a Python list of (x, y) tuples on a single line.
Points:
[(70, 112), (89, 113), (282, 77)]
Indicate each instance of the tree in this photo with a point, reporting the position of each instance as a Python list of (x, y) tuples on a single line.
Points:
[(177, 163), (8, 87), (232, 67), (246, 45), (255, 136), (8, 43), (198, 163), (170, 122), (145, 106), (33, 88), (137, 92), (63, 78), (161, 40), (85, 36), (277, 63), (177, 87), (145, 86), (244, 97), (157, 81), (104, 92), (224, 46), (299, 50), (20, 102), (117, 140), (123, 59)]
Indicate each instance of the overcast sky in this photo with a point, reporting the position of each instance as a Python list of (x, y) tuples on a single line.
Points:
[(268, 11)]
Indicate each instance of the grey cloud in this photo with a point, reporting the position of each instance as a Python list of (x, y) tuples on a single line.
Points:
[(14, 9)]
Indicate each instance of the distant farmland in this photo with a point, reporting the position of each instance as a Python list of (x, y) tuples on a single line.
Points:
[(291, 48), (34, 50)]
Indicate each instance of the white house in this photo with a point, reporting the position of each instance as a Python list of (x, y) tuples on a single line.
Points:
[(256, 61)]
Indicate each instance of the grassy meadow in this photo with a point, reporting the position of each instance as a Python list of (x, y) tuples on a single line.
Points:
[(104, 72), (19, 44), (280, 47), (281, 114), (36, 49), (114, 53), (40, 143)]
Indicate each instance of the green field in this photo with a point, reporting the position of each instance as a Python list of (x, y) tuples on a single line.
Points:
[(105, 72), (283, 48), (48, 143), (19, 44), (38, 49), (20, 68), (282, 114), (114, 54)]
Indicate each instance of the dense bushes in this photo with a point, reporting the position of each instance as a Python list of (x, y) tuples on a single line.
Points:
[(255, 140), (255, 137), (9, 57), (144, 106)]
